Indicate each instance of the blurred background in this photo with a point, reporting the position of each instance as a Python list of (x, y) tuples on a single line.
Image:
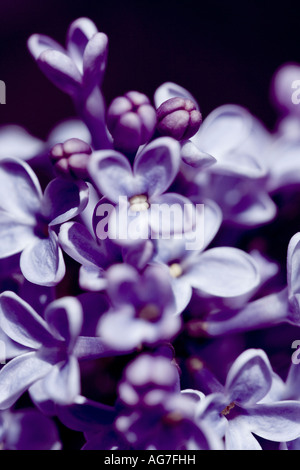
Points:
[(222, 52)]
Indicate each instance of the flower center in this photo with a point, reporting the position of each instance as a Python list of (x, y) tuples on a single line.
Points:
[(228, 408), (173, 417), (149, 313), (175, 270), (139, 203)]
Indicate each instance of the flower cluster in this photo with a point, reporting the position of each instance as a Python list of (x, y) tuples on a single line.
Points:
[(150, 262)]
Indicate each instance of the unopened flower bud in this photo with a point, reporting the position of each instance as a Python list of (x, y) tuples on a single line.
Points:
[(178, 118), (71, 158), (131, 120)]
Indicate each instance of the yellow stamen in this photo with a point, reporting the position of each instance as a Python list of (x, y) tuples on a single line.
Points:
[(175, 270)]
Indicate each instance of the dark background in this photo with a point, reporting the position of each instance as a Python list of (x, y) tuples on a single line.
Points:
[(221, 51)]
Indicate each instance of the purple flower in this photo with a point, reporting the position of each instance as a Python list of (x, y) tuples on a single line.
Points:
[(50, 347), (208, 272), (135, 190), (178, 118), (28, 429), (275, 308), (155, 414), (143, 308), (245, 407), (192, 158), (28, 219), (77, 70), (237, 142), (131, 121), (81, 65), (48, 350), (70, 158), (95, 258)]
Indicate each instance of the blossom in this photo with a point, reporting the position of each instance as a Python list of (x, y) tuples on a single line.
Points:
[(155, 414), (138, 193), (50, 347), (28, 429), (143, 307), (243, 409), (29, 218), (77, 70), (278, 307), (178, 118), (131, 121), (237, 142), (207, 271)]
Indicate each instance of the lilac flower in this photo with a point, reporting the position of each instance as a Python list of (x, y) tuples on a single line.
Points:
[(50, 347), (29, 218), (237, 141), (282, 160), (178, 118), (155, 414), (207, 271), (95, 258), (28, 429), (134, 191), (244, 409), (77, 70), (275, 308), (192, 158), (143, 308), (131, 121)]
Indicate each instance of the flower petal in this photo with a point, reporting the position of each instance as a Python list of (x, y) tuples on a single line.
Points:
[(174, 215), (38, 43), (42, 262), (16, 142), (223, 131), (224, 272), (249, 378), (283, 164), (60, 70), (239, 437), (170, 90), (63, 382), (79, 33), (31, 430), (293, 265), (195, 158), (64, 316), (64, 199), (112, 175), (182, 293), (92, 278), (78, 243), (18, 374), (279, 421), (66, 130), (86, 415), (94, 60), (21, 323), (157, 164), (19, 181), (261, 313), (14, 235)]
